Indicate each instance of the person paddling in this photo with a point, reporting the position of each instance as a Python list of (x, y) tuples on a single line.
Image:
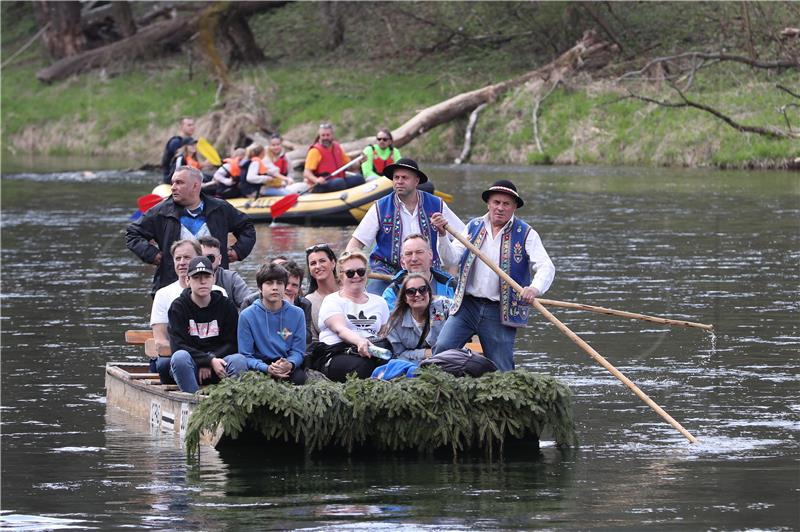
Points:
[(484, 304), (380, 155), (173, 145), (324, 157)]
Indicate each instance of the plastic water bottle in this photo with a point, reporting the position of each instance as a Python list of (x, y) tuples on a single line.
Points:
[(379, 352)]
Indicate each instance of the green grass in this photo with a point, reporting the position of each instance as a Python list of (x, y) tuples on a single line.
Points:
[(108, 109), (381, 78)]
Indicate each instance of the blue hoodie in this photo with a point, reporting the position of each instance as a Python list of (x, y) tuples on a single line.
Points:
[(266, 336)]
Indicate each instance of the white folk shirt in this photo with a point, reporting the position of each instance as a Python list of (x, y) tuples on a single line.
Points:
[(367, 230), (483, 281)]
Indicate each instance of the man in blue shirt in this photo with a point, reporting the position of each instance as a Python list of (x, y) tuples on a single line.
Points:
[(416, 257)]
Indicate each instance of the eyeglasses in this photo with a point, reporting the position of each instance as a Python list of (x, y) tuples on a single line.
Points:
[(361, 272), (383, 138), (422, 290), (318, 247)]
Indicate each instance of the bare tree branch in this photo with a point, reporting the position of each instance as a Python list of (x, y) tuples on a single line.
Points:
[(781, 63), (473, 119), (782, 110), (535, 115), (771, 132), (788, 91)]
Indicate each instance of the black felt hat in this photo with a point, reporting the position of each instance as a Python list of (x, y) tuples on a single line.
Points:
[(506, 187), (410, 164)]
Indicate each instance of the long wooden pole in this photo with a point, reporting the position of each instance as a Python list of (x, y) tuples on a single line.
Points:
[(625, 314), (574, 337)]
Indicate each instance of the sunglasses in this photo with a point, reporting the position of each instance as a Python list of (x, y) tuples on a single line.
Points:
[(317, 247), (383, 138), (361, 272), (211, 258), (422, 290)]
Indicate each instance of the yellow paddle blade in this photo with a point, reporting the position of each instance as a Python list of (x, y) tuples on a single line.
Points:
[(207, 150), (444, 195)]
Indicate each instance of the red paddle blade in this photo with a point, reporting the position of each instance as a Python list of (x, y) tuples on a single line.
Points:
[(148, 201), (283, 205)]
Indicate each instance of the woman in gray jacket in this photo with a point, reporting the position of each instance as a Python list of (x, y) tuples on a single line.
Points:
[(417, 320)]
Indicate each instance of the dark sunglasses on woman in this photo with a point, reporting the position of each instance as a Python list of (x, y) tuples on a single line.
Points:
[(422, 290), (361, 272)]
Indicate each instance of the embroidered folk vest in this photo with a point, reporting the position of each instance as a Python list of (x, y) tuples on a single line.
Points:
[(514, 260), (385, 257)]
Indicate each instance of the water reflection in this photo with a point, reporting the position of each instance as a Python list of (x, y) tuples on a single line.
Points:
[(720, 248)]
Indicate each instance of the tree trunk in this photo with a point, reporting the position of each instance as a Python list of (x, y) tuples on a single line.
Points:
[(332, 19), (123, 18), (145, 43), (464, 103), (148, 41), (63, 36), (243, 43)]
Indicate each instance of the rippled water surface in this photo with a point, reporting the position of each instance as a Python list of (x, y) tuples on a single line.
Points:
[(712, 247)]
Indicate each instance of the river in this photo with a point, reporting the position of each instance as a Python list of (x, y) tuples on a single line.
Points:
[(706, 246)]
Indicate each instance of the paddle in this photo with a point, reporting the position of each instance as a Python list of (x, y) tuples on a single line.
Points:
[(147, 201), (207, 150), (574, 337), (144, 204), (624, 314), (290, 200), (444, 195)]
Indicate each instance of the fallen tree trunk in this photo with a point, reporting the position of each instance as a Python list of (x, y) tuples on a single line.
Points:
[(147, 41), (464, 103), (154, 37)]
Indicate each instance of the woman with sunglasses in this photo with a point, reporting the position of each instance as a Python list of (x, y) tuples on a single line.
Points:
[(321, 266), (348, 320), (417, 320), (379, 156)]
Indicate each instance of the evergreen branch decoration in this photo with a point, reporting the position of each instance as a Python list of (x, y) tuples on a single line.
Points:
[(433, 411)]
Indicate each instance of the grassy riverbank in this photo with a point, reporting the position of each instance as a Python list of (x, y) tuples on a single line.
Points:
[(132, 110)]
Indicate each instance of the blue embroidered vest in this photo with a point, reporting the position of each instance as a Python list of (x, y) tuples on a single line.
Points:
[(514, 261), (385, 257)]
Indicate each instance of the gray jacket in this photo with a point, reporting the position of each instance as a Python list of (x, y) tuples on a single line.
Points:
[(233, 283), (404, 336)]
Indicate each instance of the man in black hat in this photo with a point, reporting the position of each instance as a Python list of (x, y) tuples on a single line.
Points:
[(404, 212), (484, 304)]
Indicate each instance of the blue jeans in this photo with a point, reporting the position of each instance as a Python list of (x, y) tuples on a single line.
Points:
[(481, 317), (185, 371), (270, 191)]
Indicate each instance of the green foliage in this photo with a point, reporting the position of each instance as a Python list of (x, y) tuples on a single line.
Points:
[(400, 57), (432, 411)]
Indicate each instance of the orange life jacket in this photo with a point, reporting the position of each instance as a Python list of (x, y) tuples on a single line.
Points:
[(262, 168), (234, 170), (332, 159), (190, 161)]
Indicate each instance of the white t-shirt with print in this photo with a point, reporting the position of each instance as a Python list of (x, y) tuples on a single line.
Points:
[(164, 298), (366, 319)]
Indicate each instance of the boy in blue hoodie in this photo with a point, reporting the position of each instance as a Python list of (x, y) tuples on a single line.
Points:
[(272, 332)]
